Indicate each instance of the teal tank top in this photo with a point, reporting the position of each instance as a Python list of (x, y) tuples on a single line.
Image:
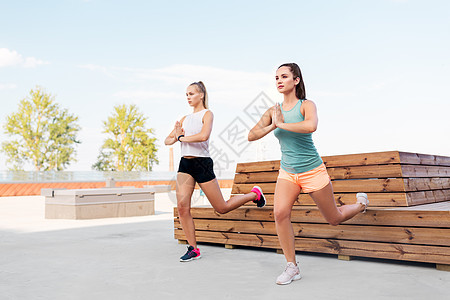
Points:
[(298, 153)]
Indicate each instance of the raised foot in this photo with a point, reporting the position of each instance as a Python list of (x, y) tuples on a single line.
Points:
[(362, 199)]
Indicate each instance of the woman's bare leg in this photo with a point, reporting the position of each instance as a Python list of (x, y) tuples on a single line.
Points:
[(215, 197), (286, 193), (334, 215), (185, 188)]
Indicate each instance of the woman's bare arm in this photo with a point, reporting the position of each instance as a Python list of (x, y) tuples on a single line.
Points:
[(263, 127), (172, 137), (308, 125), (204, 134)]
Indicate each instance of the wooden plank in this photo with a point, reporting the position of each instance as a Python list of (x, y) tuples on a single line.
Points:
[(424, 159), (388, 157), (376, 199), (359, 159), (426, 184), (362, 159), (420, 253), (400, 235), (442, 267), (439, 206), (424, 197), (258, 166), (425, 171), (442, 160), (431, 254), (388, 171), (347, 186), (245, 188), (344, 257), (357, 172), (256, 177), (419, 216), (232, 238), (365, 185)]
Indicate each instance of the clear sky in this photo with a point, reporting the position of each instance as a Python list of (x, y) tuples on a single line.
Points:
[(379, 70)]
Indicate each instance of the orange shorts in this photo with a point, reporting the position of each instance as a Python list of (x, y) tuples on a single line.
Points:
[(309, 181)]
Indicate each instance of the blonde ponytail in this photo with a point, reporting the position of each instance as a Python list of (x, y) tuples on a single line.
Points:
[(202, 89)]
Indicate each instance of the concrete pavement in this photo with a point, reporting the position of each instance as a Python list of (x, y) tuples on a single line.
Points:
[(137, 258)]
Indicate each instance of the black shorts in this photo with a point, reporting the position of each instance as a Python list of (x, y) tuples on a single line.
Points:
[(201, 168)]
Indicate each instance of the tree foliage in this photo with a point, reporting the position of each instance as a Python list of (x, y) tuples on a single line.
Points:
[(41, 133), (129, 146)]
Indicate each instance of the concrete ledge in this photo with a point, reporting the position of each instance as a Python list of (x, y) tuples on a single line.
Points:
[(99, 196), (159, 188), (99, 211), (112, 202)]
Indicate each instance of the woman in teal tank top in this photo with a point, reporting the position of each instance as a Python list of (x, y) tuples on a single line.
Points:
[(301, 168)]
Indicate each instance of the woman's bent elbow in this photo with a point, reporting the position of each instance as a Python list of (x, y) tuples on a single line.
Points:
[(169, 142), (312, 129)]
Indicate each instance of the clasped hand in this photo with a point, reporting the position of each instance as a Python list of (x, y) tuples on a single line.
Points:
[(178, 130), (277, 116)]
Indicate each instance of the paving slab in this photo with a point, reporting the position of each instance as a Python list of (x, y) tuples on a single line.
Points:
[(137, 258)]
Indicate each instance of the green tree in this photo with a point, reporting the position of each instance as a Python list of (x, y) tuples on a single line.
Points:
[(129, 146), (42, 134)]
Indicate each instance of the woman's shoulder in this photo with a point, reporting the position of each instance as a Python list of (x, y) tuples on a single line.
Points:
[(270, 110), (208, 113), (308, 103), (308, 106)]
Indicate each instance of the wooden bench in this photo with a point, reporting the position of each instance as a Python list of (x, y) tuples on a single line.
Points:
[(408, 217)]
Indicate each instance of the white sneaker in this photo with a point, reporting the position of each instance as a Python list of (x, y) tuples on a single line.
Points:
[(362, 199), (290, 273)]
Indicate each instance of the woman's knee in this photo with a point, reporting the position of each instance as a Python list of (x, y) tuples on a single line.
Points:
[(183, 209), (334, 218), (333, 221), (281, 214), (221, 209)]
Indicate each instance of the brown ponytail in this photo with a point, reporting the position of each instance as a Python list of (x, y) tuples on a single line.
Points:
[(300, 91), (202, 89)]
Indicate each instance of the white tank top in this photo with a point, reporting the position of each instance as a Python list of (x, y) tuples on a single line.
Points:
[(193, 124)]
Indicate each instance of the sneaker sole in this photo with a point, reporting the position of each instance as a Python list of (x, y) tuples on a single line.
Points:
[(190, 259), (296, 277), (365, 203)]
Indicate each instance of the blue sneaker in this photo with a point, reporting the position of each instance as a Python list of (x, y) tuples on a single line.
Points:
[(191, 254)]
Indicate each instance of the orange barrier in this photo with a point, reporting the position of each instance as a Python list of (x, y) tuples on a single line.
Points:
[(30, 189)]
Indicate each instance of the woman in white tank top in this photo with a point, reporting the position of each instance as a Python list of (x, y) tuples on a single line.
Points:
[(193, 132)]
